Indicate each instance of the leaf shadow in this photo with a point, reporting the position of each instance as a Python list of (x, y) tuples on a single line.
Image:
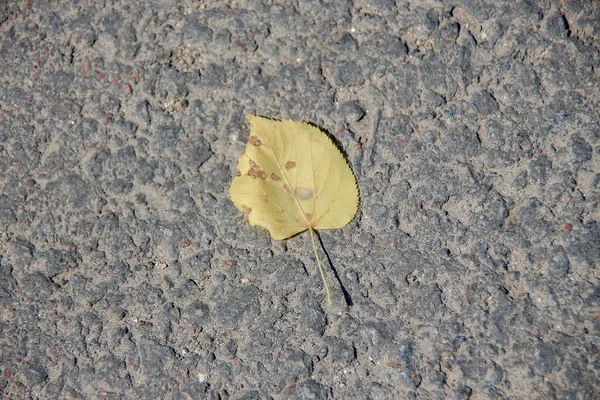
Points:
[(347, 296)]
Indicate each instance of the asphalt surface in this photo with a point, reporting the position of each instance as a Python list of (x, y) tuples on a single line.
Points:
[(470, 271)]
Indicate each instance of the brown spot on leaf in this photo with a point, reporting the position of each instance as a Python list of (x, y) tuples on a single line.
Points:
[(255, 171), (254, 141), (246, 211), (238, 173), (275, 177), (290, 165), (287, 189)]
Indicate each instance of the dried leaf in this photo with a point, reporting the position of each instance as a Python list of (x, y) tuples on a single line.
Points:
[(290, 178)]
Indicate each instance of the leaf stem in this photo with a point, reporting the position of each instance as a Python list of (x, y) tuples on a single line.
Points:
[(312, 237)]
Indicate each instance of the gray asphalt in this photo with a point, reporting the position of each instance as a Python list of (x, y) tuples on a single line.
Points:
[(470, 271)]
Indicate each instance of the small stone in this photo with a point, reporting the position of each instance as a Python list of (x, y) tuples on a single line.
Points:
[(194, 31), (352, 111), (464, 392), (521, 180), (557, 262), (492, 134), (196, 313), (142, 113), (240, 305), (349, 74), (581, 151), (485, 103), (557, 26), (346, 43), (340, 350), (34, 374), (310, 390)]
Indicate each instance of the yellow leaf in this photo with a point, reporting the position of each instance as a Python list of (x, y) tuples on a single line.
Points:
[(290, 178)]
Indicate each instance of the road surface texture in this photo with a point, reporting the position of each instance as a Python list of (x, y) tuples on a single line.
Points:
[(470, 271)]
